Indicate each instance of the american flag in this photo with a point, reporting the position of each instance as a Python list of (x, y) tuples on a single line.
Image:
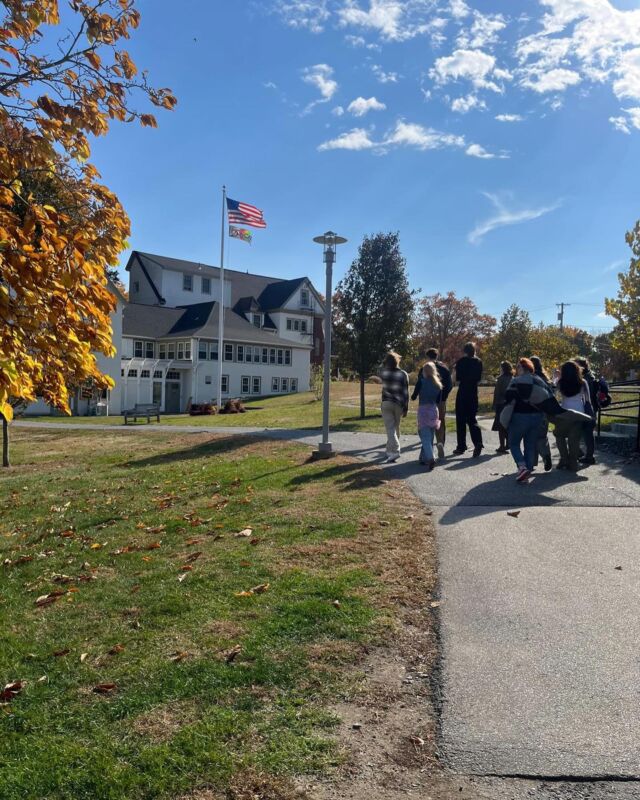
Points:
[(244, 214)]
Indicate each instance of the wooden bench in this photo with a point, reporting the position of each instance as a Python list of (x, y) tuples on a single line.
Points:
[(147, 410)]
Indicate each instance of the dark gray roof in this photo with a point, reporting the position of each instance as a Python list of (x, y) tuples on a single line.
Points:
[(270, 292), (198, 320)]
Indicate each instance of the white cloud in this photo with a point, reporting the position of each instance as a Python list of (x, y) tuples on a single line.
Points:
[(472, 65), (356, 139), (338, 111), (615, 265), (554, 80), (459, 9), (509, 118), (269, 85), (392, 20), (384, 77), (320, 77), (412, 135), (620, 124), (361, 106), (463, 105), (483, 32), (355, 41), (478, 151), (504, 216), (309, 14)]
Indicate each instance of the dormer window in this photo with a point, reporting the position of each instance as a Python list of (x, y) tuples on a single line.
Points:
[(256, 319), (187, 283), (304, 298)]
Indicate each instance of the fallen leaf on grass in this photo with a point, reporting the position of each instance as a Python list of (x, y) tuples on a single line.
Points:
[(193, 556), (117, 648), (416, 741), (255, 541), (52, 597), (179, 655), (152, 546), (230, 655), (43, 679), (193, 540), (515, 514), (61, 578), (11, 690), (104, 688), (96, 546), (84, 657), (147, 558), (59, 653), (135, 588), (182, 577), (245, 564), (156, 529), (244, 533), (186, 568), (435, 604), (244, 594), (336, 604)]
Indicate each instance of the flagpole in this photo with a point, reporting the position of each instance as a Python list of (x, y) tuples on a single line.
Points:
[(221, 306)]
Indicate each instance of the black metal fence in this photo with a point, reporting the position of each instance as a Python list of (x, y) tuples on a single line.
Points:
[(625, 405)]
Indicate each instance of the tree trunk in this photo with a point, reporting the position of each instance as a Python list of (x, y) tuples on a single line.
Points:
[(362, 403), (5, 443)]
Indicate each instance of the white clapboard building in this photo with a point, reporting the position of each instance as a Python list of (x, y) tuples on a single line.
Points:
[(170, 353)]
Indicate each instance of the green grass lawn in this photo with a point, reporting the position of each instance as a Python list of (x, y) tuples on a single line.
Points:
[(294, 411), (158, 650)]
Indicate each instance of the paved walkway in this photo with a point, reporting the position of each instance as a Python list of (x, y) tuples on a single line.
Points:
[(540, 661)]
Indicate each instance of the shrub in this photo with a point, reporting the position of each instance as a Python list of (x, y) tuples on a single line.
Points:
[(317, 380), (202, 409), (374, 379), (233, 407)]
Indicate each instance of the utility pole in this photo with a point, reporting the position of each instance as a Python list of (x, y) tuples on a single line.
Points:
[(562, 307)]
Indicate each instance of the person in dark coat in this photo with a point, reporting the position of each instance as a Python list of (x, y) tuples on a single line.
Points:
[(468, 376)]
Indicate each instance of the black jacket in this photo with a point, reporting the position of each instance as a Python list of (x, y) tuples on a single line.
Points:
[(445, 379)]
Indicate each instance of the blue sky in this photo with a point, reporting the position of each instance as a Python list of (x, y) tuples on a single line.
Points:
[(503, 146)]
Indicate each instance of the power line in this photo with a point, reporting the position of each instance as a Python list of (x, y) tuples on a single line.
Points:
[(561, 306)]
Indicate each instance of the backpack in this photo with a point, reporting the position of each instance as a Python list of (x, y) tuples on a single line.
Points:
[(602, 393)]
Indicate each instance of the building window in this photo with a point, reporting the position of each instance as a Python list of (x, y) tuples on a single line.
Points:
[(257, 320), (122, 373), (137, 349), (145, 373), (173, 375), (228, 352), (265, 355), (289, 324), (240, 353), (280, 356), (187, 350), (171, 350), (180, 351), (303, 326), (207, 380), (213, 351), (206, 286), (156, 393), (162, 351), (225, 384), (136, 286), (284, 385), (256, 385), (157, 373), (187, 283), (294, 384), (304, 298), (275, 384), (287, 357), (203, 352), (244, 385), (133, 373), (149, 350), (272, 355), (256, 355)]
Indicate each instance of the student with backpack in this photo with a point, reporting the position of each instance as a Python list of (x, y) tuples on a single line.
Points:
[(591, 408)]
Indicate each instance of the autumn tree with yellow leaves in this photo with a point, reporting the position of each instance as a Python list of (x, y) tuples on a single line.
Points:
[(60, 228)]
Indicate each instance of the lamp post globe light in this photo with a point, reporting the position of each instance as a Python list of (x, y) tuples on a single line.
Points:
[(329, 242)]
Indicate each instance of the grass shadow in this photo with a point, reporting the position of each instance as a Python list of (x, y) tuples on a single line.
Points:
[(215, 446)]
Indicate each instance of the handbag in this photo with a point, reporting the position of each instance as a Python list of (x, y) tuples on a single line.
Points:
[(506, 414)]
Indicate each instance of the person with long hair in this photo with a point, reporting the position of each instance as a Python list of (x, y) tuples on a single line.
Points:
[(429, 393), (395, 402), (574, 396), (500, 401), (591, 409), (525, 420), (542, 445)]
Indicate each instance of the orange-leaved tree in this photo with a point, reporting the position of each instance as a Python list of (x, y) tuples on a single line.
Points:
[(60, 228)]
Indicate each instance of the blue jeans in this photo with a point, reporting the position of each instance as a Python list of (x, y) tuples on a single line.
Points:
[(524, 428), (426, 438)]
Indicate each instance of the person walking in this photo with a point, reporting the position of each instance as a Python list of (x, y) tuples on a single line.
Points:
[(429, 393), (500, 401), (395, 402), (468, 375), (542, 445), (574, 396), (592, 410), (526, 419), (447, 384)]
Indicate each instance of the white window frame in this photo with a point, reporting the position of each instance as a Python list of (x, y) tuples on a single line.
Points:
[(203, 347), (305, 293), (275, 385), (256, 320), (187, 350), (206, 285), (226, 351), (280, 356), (303, 326), (180, 351), (256, 381), (245, 384), (213, 351), (225, 384), (287, 358), (265, 355), (145, 373), (149, 346), (294, 384), (207, 379), (289, 324), (284, 385), (187, 282), (171, 350), (240, 354), (162, 351), (272, 355), (137, 348)]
